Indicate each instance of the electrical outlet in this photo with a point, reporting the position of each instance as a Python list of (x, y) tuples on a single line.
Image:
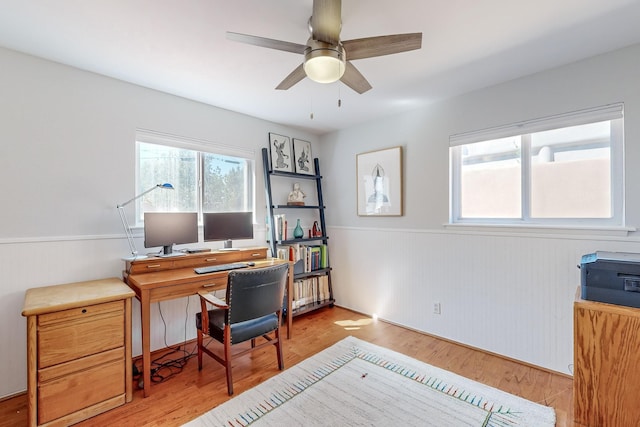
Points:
[(436, 308)]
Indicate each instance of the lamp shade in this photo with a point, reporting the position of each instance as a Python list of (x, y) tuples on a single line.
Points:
[(323, 62)]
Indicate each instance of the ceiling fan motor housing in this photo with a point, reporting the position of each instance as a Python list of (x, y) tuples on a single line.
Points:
[(324, 62)]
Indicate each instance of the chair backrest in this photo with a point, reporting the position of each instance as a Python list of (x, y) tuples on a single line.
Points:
[(256, 292)]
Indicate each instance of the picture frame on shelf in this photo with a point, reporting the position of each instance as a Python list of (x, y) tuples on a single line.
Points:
[(302, 157), (379, 182), (280, 153)]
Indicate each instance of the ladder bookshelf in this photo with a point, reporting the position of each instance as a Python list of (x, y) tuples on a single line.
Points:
[(318, 277)]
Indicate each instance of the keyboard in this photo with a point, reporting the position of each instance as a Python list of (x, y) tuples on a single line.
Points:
[(220, 267)]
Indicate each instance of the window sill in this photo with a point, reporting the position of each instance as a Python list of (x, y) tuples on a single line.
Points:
[(617, 231)]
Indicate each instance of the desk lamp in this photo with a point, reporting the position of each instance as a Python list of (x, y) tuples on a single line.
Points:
[(125, 223)]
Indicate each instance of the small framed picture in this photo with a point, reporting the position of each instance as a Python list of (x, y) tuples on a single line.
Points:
[(281, 154), (379, 182), (302, 157)]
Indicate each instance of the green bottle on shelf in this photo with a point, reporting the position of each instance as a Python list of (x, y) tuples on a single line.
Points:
[(298, 232)]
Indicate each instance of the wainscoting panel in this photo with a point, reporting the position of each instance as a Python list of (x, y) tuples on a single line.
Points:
[(32, 263), (510, 294)]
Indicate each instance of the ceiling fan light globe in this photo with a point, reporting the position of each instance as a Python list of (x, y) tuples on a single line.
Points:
[(324, 63), (324, 69)]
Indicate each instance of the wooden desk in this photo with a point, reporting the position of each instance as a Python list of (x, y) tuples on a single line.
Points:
[(160, 279), (78, 350)]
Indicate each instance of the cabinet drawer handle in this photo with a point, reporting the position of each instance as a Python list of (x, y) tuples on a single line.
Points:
[(210, 259), (153, 266), (209, 285), (256, 254)]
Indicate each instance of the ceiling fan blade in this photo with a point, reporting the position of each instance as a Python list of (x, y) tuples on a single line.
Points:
[(382, 45), (264, 42), (326, 21), (354, 79), (293, 78)]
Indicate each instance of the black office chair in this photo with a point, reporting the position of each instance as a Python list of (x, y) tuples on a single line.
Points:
[(253, 308)]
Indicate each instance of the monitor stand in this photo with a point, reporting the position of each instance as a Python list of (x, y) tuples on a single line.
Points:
[(167, 252), (228, 246)]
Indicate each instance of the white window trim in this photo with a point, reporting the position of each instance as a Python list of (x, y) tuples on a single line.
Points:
[(591, 115), (160, 138), (581, 117), (154, 137)]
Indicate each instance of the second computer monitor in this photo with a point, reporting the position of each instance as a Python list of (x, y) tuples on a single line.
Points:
[(227, 226)]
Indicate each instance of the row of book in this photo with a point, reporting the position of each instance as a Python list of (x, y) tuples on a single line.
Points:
[(280, 226), (312, 257), (310, 291)]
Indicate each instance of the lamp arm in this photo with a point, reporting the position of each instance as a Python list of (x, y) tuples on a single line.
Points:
[(138, 196)]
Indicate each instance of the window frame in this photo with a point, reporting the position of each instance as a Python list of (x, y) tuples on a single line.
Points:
[(200, 147), (611, 112)]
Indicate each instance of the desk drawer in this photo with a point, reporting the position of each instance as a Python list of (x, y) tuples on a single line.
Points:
[(92, 332), (80, 390), (187, 289), (195, 260), (84, 363), (85, 313), (210, 259)]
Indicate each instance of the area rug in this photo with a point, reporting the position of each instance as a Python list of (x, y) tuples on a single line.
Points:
[(356, 383)]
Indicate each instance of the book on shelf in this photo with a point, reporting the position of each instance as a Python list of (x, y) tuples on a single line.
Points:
[(314, 257), (310, 291), (280, 227), (324, 288), (324, 256)]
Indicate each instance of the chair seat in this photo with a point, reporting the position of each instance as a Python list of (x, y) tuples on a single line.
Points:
[(241, 331)]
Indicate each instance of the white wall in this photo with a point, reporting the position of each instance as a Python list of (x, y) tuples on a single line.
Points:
[(509, 292), (67, 157)]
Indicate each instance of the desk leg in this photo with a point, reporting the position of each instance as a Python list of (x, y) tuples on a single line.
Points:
[(127, 351), (289, 300), (145, 310)]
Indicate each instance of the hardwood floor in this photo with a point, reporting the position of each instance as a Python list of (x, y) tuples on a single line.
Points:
[(191, 393)]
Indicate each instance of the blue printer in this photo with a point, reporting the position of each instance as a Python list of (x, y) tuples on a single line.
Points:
[(611, 277)]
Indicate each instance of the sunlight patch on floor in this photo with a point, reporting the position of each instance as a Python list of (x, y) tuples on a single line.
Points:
[(352, 325)]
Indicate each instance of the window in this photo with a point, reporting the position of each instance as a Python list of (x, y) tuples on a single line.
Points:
[(561, 170), (205, 177)]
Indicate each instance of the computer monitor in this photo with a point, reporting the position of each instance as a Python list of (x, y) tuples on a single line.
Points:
[(170, 228), (227, 226)]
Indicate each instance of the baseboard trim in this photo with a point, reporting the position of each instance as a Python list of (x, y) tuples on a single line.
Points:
[(470, 347)]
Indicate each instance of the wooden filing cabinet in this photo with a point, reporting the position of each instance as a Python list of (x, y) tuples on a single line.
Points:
[(606, 360), (78, 350)]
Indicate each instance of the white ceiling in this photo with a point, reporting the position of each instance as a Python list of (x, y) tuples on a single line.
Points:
[(179, 47)]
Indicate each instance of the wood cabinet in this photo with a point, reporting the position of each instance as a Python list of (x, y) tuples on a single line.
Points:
[(78, 350), (606, 358), (313, 280)]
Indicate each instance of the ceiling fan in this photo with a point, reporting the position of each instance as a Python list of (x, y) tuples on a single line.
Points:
[(327, 58)]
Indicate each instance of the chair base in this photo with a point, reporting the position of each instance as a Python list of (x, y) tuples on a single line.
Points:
[(229, 355)]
